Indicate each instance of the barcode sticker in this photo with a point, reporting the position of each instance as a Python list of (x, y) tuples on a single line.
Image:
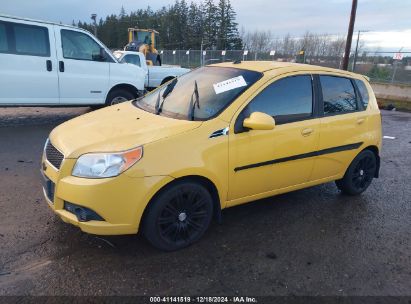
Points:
[(229, 84)]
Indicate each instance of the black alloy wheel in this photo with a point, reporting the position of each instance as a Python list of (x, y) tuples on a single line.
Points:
[(359, 174), (179, 216)]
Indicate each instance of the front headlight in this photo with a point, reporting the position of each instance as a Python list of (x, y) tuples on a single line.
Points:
[(102, 165)]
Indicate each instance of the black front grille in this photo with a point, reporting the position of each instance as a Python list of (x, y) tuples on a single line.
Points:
[(54, 156)]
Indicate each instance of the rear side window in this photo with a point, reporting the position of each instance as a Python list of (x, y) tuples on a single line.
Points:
[(363, 92), (24, 39), (338, 95), (4, 45), (287, 100), (133, 59), (31, 40)]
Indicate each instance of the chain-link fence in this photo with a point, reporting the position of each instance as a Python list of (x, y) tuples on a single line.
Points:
[(380, 67)]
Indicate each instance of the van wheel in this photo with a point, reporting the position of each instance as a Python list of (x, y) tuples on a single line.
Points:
[(178, 217), (359, 174), (118, 96)]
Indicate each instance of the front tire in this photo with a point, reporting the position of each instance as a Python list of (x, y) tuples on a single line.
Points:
[(359, 174), (178, 216), (118, 96)]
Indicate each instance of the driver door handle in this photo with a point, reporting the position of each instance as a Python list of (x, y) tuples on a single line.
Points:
[(307, 132), (49, 65)]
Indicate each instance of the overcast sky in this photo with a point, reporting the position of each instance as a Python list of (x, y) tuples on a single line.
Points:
[(389, 20)]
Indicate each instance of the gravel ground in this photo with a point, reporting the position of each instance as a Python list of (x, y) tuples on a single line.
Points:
[(309, 242)]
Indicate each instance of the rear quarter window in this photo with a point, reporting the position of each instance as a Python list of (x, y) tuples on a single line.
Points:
[(363, 92), (338, 95)]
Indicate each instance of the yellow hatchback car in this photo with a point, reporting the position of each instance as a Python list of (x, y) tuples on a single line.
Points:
[(217, 137)]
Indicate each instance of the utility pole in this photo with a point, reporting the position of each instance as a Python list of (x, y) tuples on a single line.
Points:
[(94, 18), (349, 35), (356, 50)]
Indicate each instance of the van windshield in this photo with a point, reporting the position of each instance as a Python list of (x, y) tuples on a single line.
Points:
[(199, 95)]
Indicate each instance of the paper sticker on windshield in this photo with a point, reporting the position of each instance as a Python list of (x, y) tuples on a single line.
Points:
[(229, 84)]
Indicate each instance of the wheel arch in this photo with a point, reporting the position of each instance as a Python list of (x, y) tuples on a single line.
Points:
[(376, 152), (124, 86), (207, 183)]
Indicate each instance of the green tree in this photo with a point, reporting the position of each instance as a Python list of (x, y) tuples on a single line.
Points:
[(233, 39), (195, 30), (181, 25), (227, 34), (122, 12), (210, 23), (378, 73)]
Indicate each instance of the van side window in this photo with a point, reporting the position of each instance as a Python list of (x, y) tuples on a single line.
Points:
[(363, 92), (4, 45), (31, 40), (287, 100), (338, 95), (77, 45), (133, 59), (24, 39)]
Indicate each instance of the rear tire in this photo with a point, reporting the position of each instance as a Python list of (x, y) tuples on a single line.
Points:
[(178, 216), (359, 174), (118, 96)]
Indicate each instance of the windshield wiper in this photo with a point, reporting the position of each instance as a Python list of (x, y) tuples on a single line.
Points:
[(170, 87), (157, 106), (194, 103), (167, 91)]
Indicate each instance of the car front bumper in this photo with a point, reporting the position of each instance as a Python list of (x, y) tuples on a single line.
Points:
[(119, 201)]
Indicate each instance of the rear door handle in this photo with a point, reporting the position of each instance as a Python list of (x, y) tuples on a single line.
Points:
[(307, 132), (61, 66), (360, 120), (49, 65)]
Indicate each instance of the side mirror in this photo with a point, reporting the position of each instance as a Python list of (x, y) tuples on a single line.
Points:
[(259, 121), (103, 55)]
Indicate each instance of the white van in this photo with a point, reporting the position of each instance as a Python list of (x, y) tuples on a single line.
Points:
[(48, 64)]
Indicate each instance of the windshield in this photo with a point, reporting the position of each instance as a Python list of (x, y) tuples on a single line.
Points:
[(143, 37), (200, 94)]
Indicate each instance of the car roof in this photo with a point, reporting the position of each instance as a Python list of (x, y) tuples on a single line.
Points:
[(38, 21), (267, 66)]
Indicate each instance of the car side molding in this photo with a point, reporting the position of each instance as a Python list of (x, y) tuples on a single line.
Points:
[(301, 156)]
